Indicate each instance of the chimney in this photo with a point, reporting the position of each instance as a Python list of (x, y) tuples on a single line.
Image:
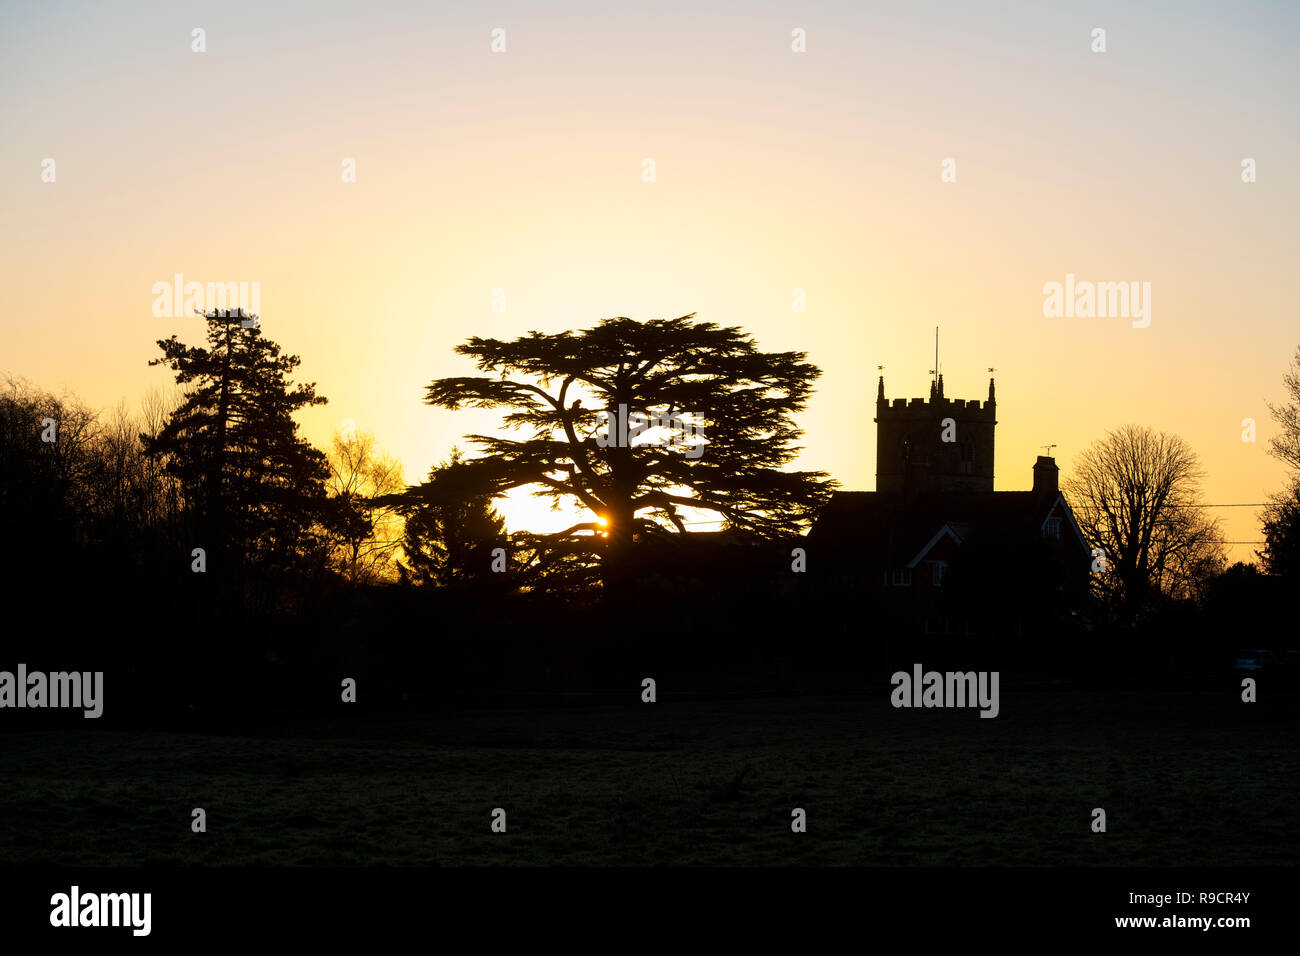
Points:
[(1045, 477)]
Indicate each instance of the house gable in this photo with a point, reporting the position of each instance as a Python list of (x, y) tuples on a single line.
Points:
[(938, 548)]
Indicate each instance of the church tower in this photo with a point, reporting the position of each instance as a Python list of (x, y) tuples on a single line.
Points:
[(919, 451)]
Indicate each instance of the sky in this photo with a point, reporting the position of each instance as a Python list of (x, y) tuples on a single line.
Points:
[(525, 171)]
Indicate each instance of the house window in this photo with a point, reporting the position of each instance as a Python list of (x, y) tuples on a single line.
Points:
[(1052, 528), (937, 569), (929, 626), (902, 577)]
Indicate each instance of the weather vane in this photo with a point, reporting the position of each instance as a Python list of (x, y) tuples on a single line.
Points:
[(1046, 448)]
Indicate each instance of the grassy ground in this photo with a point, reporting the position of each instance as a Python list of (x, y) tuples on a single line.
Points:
[(1185, 779)]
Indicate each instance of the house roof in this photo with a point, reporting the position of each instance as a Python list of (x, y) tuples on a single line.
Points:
[(895, 531)]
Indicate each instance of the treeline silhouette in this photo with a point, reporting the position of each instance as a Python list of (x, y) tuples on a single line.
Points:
[(197, 551)]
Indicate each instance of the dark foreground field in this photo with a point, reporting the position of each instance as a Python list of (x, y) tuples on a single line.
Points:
[(1185, 779)]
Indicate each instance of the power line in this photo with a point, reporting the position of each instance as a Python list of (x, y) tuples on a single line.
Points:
[(1259, 505)]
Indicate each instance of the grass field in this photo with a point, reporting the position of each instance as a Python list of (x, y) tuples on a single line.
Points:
[(1185, 779)]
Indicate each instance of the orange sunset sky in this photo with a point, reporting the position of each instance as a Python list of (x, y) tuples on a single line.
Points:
[(775, 170)]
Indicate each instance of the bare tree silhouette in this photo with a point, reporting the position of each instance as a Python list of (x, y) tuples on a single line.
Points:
[(1136, 494)]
